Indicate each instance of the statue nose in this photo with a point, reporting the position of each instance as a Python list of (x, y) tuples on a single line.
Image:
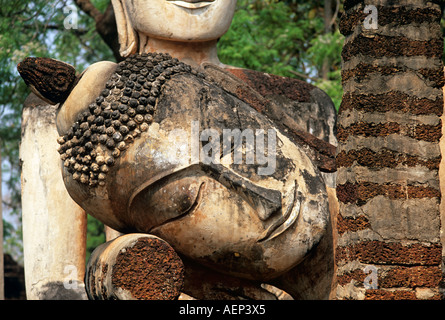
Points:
[(265, 201)]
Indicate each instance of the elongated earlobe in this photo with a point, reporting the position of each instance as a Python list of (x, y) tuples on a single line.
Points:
[(127, 35)]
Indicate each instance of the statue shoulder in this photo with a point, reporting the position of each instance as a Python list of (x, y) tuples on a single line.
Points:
[(90, 84)]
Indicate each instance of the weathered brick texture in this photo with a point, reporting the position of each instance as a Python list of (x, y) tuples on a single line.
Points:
[(388, 159)]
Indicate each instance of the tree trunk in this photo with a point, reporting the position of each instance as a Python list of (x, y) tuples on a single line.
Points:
[(327, 29), (105, 24), (388, 158)]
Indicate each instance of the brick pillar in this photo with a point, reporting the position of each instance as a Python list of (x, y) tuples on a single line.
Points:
[(388, 160)]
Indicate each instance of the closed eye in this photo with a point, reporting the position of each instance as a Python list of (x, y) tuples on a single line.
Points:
[(164, 200)]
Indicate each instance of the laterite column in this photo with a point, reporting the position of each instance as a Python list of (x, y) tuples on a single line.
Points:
[(388, 159)]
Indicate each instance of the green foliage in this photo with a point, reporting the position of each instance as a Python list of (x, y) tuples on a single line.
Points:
[(287, 39), (333, 87), (261, 38), (95, 234), (34, 28), (326, 48)]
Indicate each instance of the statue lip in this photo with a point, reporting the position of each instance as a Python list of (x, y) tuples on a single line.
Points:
[(285, 221), (194, 1), (192, 4)]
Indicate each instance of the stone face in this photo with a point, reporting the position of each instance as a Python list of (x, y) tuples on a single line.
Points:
[(128, 137), (178, 21), (168, 185), (388, 157)]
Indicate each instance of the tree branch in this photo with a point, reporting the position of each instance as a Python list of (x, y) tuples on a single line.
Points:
[(105, 24), (304, 76), (87, 7), (107, 28), (79, 32)]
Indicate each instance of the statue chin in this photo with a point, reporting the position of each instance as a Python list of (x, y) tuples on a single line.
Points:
[(181, 20), (138, 165)]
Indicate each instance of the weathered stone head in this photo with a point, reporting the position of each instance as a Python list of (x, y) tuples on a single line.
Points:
[(189, 153), (172, 153)]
